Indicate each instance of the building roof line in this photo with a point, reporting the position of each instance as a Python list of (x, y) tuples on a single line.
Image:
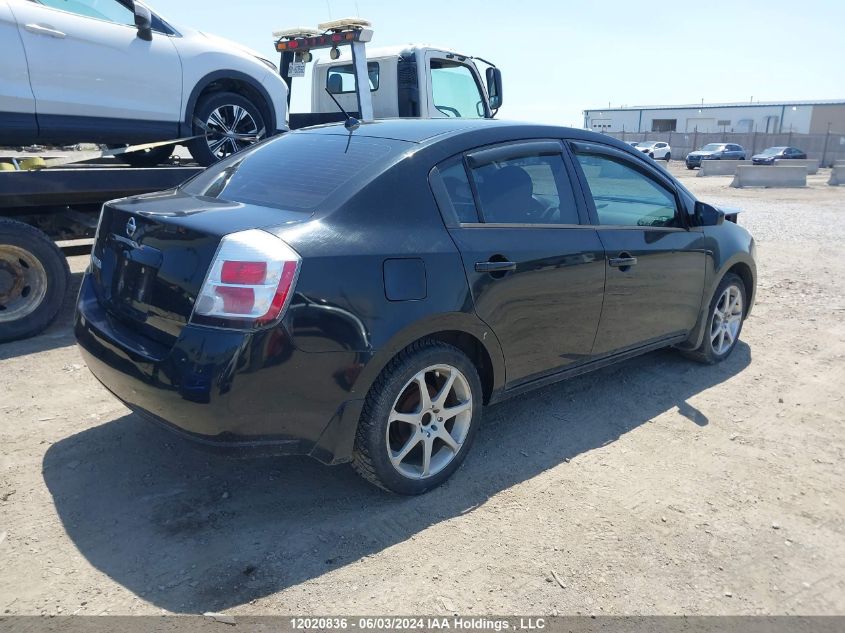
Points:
[(705, 106)]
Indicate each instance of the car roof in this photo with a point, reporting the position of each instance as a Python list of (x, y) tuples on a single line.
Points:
[(422, 130)]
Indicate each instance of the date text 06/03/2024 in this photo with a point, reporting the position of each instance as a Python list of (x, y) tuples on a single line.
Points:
[(419, 623)]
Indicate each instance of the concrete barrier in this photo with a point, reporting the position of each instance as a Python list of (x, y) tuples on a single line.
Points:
[(811, 165), (720, 167), (837, 174), (766, 176)]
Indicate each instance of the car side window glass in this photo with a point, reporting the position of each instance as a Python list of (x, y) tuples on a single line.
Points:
[(625, 196), (526, 190), (455, 91), (453, 177), (108, 10), (341, 79)]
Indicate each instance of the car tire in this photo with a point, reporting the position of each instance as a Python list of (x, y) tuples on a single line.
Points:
[(34, 275), (723, 321), (690, 167), (145, 158), (399, 426), (225, 107), (668, 157)]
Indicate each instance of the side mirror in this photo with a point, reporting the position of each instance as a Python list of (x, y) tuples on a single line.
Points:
[(494, 87), (708, 215), (144, 22)]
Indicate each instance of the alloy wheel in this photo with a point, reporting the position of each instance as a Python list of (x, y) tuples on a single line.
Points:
[(229, 129), (429, 422), (727, 320)]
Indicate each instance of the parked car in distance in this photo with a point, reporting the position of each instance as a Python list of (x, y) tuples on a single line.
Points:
[(362, 295), (658, 150), (715, 151), (116, 73), (770, 155)]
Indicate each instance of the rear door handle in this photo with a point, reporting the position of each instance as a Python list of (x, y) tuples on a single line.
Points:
[(43, 29), (494, 267), (623, 262)]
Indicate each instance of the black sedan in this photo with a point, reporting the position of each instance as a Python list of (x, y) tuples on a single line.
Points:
[(362, 295), (770, 155)]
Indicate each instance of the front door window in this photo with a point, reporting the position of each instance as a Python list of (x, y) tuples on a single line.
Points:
[(455, 91)]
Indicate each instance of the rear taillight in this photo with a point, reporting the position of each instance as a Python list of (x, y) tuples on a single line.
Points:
[(250, 282)]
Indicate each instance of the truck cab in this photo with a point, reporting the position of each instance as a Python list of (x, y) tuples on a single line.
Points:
[(402, 81), (412, 81)]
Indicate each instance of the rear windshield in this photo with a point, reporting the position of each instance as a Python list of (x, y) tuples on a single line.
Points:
[(297, 172)]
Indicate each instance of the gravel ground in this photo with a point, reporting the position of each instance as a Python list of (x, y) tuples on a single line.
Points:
[(655, 487)]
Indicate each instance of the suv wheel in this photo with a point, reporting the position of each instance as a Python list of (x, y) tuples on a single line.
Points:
[(724, 322), (419, 419), (228, 123)]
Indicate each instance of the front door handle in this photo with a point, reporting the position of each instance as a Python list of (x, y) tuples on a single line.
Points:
[(43, 29), (623, 262), (495, 267)]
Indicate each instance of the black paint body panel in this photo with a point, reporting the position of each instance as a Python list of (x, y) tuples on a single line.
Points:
[(380, 270)]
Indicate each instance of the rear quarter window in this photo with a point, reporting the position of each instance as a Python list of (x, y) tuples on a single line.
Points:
[(296, 172)]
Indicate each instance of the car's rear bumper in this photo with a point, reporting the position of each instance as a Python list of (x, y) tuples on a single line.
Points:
[(252, 392)]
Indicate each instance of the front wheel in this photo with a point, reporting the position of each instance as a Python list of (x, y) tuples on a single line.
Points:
[(226, 123), (419, 419), (724, 322)]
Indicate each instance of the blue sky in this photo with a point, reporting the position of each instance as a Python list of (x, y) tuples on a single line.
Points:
[(558, 58)]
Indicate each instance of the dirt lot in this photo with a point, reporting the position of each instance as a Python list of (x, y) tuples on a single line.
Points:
[(658, 486)]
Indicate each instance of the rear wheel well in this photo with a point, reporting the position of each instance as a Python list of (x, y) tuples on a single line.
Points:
[(240, 87), (744, 273), (475, 351)]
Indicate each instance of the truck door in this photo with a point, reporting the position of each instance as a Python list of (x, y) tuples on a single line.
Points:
[(453, 88), (87, 63), (17, 105)]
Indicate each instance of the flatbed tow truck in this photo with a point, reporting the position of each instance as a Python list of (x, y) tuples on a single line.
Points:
[(50, 204)]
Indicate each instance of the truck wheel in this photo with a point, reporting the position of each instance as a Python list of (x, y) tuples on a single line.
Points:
[(229, 123), (145, 158), (34, 277), (419, 419)]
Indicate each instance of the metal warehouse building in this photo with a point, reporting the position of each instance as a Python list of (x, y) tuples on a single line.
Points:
[(768, 117)]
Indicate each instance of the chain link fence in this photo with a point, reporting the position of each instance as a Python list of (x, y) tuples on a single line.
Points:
[(827, 148)]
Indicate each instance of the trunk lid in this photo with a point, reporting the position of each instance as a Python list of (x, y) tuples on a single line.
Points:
[(152, 254)]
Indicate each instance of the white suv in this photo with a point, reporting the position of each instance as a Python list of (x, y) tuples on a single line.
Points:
[(113, 72)]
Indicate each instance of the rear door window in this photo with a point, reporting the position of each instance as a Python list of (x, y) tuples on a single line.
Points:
[(526, 190)]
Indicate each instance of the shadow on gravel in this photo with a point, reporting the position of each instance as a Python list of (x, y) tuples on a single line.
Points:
[(59, 334), (192, 532)]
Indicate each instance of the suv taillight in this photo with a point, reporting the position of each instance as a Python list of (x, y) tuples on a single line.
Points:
[(250, 282)]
